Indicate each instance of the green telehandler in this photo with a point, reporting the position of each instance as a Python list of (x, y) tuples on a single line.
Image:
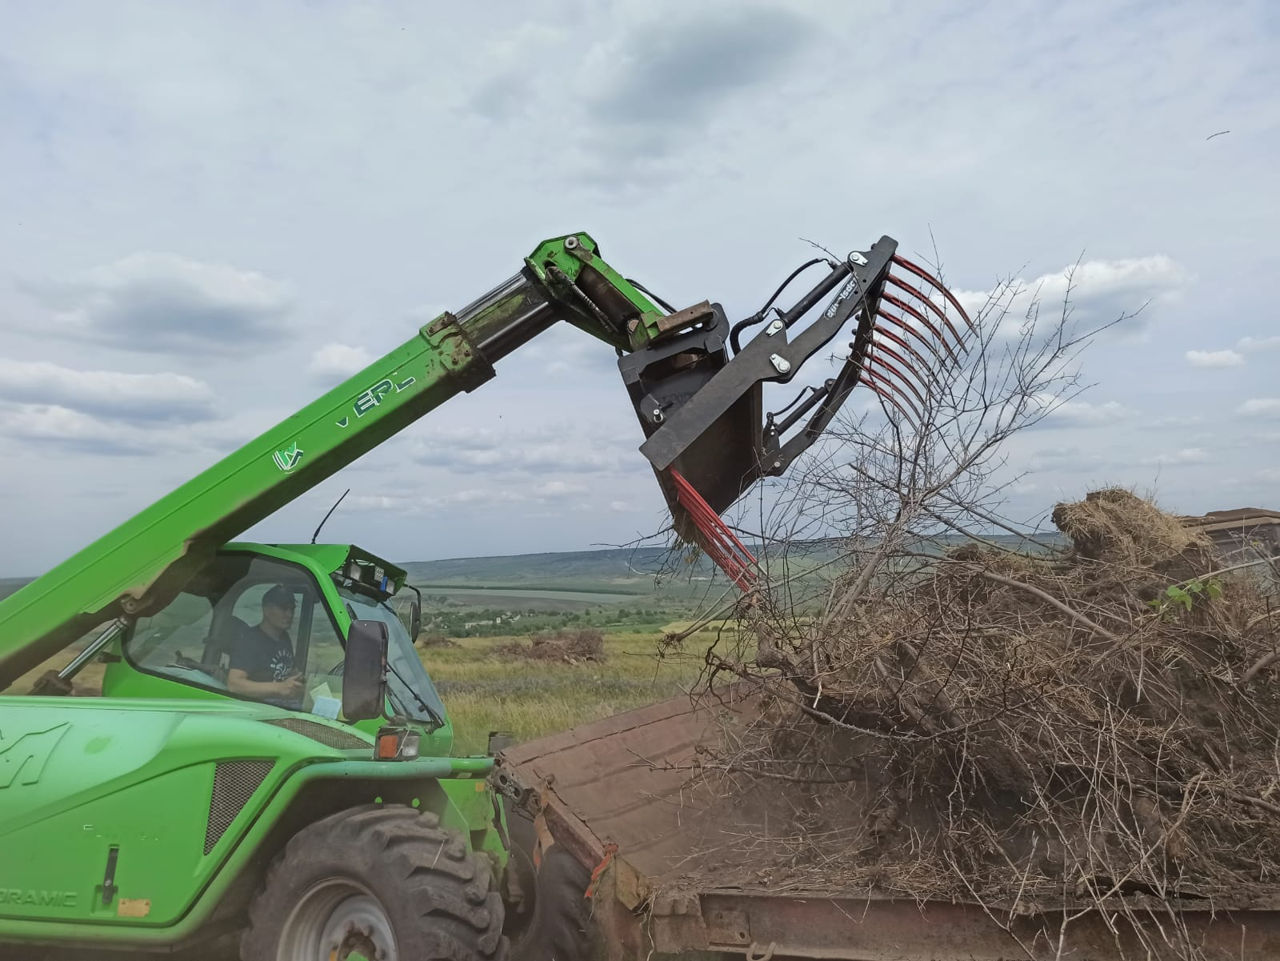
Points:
[(269, 764)]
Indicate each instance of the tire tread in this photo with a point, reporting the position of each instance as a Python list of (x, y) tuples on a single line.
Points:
[(440, 898)]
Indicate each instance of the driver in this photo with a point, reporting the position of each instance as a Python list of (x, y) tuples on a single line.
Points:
[(262, 665)]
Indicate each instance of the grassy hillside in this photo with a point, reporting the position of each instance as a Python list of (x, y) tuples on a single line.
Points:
[(618, 574), (641, 572), (610, 571)]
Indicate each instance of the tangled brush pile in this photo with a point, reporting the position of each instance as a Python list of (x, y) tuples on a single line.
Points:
[(1098, 723)]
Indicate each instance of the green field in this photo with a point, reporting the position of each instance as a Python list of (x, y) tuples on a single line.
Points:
[(488, 692)]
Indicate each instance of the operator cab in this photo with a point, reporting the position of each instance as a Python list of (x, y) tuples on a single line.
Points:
[(269, 623)]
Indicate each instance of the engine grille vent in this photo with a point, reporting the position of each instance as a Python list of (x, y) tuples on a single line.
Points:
[(233, 784), (328, 736)]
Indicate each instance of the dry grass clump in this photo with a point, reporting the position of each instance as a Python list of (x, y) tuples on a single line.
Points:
[(1118, 528), (435, 639), (565, 646), (1039, 728)]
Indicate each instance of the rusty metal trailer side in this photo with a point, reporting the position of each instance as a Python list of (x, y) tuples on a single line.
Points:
[(619, 796), (1241, 534)]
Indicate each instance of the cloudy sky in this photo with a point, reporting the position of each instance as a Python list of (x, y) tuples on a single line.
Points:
[(211, 213)]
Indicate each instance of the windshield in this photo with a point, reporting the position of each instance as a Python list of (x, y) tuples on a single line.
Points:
[(410, 687)]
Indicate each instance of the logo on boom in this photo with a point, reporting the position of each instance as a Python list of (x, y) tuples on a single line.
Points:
[(287, 458)]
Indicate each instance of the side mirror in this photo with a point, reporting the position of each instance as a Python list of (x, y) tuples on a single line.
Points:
[(415, 616), (364, 673), (413, 621)]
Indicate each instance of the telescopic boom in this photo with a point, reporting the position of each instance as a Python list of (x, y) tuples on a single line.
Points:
[(707, 436)]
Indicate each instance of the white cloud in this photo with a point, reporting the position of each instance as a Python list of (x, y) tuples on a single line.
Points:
[(1185, 455), (1215, 358), (1260, 407), (415, 504), (1082, 413), (466, 497), (1181, 421), (1064, 460), (163, 302), (362, 503), (533, 451), (531, 457), (339, 361), (1151, 276), (106, 393), (476, 495), (53, 426), (1252, 344), (1100, 291), (677, 71), (495, 489), (559, 488)]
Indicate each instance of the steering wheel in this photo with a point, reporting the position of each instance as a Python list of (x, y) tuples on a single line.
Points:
[(180, 660)]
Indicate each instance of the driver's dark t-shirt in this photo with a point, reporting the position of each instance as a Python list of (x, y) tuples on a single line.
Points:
[(261, 656)]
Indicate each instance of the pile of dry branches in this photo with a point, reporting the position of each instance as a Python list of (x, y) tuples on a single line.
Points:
[(1023, 726)]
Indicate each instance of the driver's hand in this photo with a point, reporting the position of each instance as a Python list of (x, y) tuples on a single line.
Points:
[(290, 687)]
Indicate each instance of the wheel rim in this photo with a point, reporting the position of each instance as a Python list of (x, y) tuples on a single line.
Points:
[(338, 920)]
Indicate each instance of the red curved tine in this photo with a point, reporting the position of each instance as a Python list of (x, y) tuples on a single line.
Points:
[(888, 372), (924, 365), (720, 543), (929, 304), (897, 321), (904, 306), (922, 379), (882, 377), (878, 386), (733, 566), (933, 282)]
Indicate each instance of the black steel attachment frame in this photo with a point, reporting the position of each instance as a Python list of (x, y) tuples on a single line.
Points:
[(701, 410)]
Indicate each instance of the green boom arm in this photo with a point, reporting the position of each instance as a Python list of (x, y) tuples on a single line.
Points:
[(140, 565)]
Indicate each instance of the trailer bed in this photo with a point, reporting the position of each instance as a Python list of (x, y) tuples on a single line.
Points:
[(674, 876)]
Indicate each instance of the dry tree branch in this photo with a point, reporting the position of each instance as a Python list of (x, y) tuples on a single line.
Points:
[(1048, 599)]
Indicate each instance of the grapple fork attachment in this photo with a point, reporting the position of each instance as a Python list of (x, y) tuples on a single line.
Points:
[(708, 437)]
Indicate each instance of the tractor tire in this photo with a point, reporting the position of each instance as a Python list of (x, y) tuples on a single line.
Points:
[(522, 874), (383, 882), (561, 929)]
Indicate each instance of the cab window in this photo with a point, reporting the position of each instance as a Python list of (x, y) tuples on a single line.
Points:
[(253, 626), (173, 640)]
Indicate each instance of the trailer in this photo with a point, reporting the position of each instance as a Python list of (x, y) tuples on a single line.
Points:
[(1242, 534), (625, 797)]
